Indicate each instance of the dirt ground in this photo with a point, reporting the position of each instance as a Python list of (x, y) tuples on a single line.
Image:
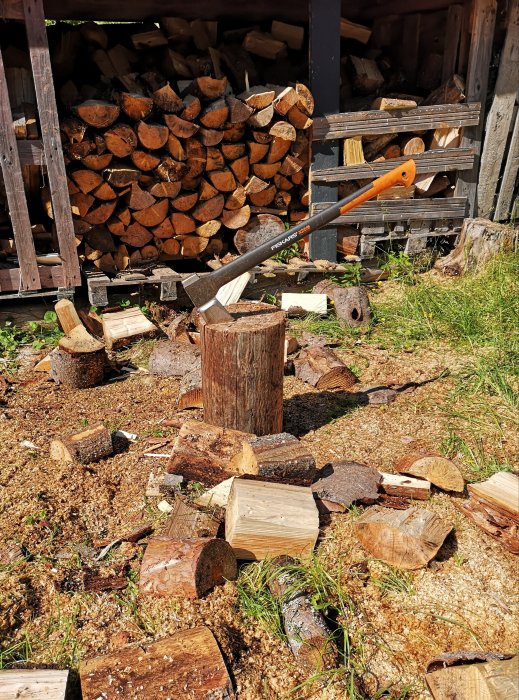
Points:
[(466, 599)]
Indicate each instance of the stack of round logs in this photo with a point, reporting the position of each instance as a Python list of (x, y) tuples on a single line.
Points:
[(160, 175)]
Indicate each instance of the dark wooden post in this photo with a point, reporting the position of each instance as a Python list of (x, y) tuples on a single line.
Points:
[(480, 53), (325, 80), (242, 370)]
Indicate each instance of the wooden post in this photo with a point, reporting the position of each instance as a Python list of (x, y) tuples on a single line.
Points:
[(506, 191), (500, 116), (325, 52), (242, 370), (484, 17)]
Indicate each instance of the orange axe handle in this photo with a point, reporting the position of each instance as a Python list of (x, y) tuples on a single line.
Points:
[(403, 174)]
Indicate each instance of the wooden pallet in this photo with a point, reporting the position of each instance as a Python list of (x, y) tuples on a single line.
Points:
[(29, 276), (98, 283)]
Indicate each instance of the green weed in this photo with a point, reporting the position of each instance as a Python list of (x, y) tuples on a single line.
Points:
[(284, 255), (394, 580), (15, 653), (39, 334), (400, 267), (350, 278), (479, 465)]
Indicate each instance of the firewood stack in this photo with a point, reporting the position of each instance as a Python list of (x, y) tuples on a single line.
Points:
[(180, 163)]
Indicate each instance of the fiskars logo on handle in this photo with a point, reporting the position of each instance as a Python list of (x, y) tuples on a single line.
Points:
[(286, 240)]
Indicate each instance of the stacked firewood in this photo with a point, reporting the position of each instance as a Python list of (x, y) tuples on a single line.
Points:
[(182, 167)]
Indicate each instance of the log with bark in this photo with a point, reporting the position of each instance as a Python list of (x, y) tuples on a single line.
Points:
[(351, 304), (89, 445), (320, 367), (345, 483), (79, 360), (440, 471)]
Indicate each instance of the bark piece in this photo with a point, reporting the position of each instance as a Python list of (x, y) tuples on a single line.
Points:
[(309, 638), (493, 680), (189, 659), (345, 483), (282, 458), (121, 328), (186, 522), (170, 359), (263, 519), (321, 368), (190, 390), (406, 486), (438, 470), (351, 303), (87, 446), (203, 452), (408, 539)]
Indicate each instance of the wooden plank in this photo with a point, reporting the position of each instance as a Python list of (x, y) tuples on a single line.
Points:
[(48, 115), (483, 22), (36, 684), (501, 490), (346, 124), (31, 152), (409, 45), (51, 277), (500, 116), (439, 160), (401, 210), (379, 8), (506, 192), (13, 181), (452, 41), (325, 53)]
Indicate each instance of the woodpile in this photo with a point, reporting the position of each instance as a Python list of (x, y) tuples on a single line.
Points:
[(175, 148)]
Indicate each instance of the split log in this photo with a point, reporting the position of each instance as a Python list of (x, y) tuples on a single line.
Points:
[(351, 303), (186, 522), (495, 679), (406, 486), (264, 45), (411, 145), (191, 107), (89, 445), (167, 100), (136, 235), (282, 458), (186, 568), (228, 390), (67, 315), (97, 162), (160, 668), (182, 128), (451, 92), (321, 368), (86, 180), (348, 238), (367, 78), (121, 175), (285, 100), (352, 151), (139, 198), (438, 470), (292, 35), (389, 104), (236, 218), (170, 359), (408, 539), (372, 148), (152, 136), (260, 229), (136, 106), (309, 638), (480, 240), (121, 140), (120, 328), (203, 452), (98, 114), (345, 483), (264, 519)]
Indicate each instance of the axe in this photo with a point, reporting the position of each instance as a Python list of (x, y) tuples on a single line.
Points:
[(202, 290)]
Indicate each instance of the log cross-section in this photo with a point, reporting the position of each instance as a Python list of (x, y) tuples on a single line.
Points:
[(48, 115)]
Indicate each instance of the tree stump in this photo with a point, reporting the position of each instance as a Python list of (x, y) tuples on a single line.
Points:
[(351, 303), (242, 369), (79, 361), (479, 241)]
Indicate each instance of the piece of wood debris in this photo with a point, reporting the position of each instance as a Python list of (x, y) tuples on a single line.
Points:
[(281, 458), (440, 471), (399, 485), (161, 669), (345, 483), (172, 359), (185, 521), (44, 365), (95, 582), (127, 326), (190, 390), (264, 519), (89, 445), (203, 452), (304, 304), (163, 484), (33, 683), (217, 497), (490, 680), (320, 367), (310, 640), (408, 539), (188, 568)]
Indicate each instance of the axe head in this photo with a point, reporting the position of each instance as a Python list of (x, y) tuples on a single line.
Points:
[(202, 293)]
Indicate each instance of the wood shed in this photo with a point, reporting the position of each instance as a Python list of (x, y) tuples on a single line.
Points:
[(434, 60)]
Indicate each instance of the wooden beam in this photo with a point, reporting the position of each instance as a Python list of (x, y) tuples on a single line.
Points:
[(372, 122), (400, 210), (325, 53), (439, 160), (409, 46), (506, 191), (500, 116), (29, 278), (484, 18), (48, 115), (51, 277)]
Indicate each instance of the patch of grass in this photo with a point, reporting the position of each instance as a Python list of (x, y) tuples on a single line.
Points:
[(350, 278), (39, 334), (255, 599), (394, 580), (17, 652), (479, 465), (331, 327)]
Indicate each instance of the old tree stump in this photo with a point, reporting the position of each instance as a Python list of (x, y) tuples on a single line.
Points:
[(242, 369)]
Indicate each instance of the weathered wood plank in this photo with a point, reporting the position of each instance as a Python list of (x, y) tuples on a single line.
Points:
[(325, 52), (48, 115), (401, 210), (346, 124), (51, 277), (34, 683), (30, 152), (452, 41), (506, 191), (500, 116), (440, 160), (483, 22), (28, 278)]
